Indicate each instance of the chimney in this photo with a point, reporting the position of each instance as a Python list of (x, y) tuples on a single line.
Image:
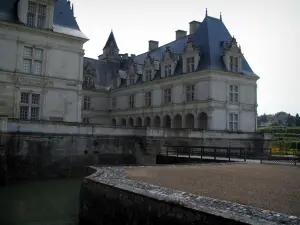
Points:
[(180, 34), (132, 55), (153, 45), (194, 26)]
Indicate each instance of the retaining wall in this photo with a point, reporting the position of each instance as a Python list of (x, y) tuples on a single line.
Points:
[(107, 197)]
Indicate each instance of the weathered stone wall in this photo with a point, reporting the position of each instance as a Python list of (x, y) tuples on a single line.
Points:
[(29, 155), (107, 197)]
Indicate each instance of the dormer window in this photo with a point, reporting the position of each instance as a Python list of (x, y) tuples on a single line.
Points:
[(168, 70), (168, 63), (87, 81), (148, 75), (232, 56), (190, 64), (36, 15), (234, 64), (190, 57)]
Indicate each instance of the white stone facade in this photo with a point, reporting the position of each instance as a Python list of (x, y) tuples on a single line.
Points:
[(40, 68), (210, 108)]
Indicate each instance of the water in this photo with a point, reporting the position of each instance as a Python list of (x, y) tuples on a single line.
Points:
[(50, 202)]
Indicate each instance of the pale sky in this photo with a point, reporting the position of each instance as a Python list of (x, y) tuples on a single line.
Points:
[(268, 31)]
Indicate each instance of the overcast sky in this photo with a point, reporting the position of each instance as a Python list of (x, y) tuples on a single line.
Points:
[(268, 31)]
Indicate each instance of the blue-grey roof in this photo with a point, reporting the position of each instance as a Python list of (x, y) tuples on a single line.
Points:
[(63, 18), (209, 37)]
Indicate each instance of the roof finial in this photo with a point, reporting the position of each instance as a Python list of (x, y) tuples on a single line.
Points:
[(206, 12), (221, 16)]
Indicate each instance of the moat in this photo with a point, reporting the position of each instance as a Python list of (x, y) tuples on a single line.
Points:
[(47, 202)]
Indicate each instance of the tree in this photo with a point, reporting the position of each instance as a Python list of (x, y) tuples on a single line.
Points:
[(290, 120), (297, 120)]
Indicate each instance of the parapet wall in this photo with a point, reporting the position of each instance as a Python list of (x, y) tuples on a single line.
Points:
[(107, 197)]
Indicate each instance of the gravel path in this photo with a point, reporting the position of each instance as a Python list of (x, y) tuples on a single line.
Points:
[(275, 188)]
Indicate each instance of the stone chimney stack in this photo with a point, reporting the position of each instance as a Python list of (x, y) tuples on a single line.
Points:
[(153, 45), (180, 34), (194, 26)]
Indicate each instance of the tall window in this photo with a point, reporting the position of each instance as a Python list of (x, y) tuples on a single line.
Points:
[(168, 70), (36, 15), (29, 106), (86, 120), (148, 98), (148, 75), (233, 121), (131, 101), (114, 103), (234, 64), (32, 60), (190, 93), (167, 95), (190, 66), (234, 93), (86, 103)]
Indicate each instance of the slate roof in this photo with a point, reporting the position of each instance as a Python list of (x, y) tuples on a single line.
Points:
[(209, 37), (111, 40), (63, 18)]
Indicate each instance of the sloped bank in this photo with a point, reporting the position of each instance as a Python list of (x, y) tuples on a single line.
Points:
[(107, 197)]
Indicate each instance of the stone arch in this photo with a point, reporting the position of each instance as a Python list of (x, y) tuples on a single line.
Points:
[(123, 122), (177, 121), (167, 121), (114, 122), (202, 121), (189, 120), (156, 121), (130, 122), (138, 121), (147, 121)]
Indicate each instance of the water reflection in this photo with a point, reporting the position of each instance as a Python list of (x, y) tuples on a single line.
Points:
[(50, 202)]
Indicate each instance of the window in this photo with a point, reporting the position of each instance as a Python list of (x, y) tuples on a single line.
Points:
[(234, 64), (167, 95), (29, 106), (190, 66), (131, 101), (131, 79), (233, 121), (86, 120), (36, 15), (32, 60), (168, 70), (114, 103), (148, 98), (190, 93), (87, 81), (148, 75), (86, 103), (234, 93)]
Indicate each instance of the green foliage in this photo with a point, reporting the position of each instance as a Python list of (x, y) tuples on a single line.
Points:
[(278, 119)]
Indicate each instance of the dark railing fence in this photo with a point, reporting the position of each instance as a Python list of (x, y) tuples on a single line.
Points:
[(205, 152), (230, 154)]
